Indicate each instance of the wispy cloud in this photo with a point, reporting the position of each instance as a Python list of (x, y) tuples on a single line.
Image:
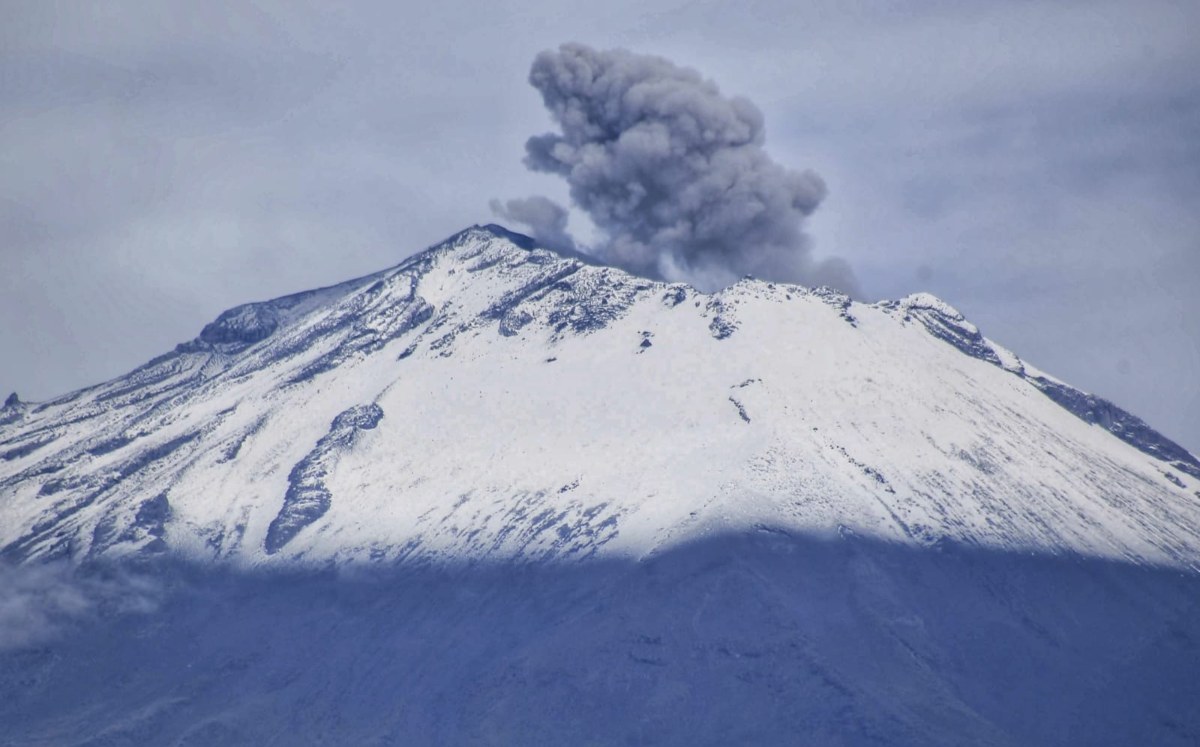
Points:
[(39, 602)]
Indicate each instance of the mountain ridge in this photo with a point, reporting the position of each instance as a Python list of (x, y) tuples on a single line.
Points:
[(364, 331), (941, 319)]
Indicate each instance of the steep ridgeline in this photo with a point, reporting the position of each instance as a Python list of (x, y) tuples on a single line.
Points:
[(490, 399), (946, 323)]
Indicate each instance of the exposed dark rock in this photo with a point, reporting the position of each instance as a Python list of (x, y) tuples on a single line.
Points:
[(308, 498)]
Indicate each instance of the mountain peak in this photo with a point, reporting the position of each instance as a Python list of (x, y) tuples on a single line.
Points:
[(520, 239), (489, 398)]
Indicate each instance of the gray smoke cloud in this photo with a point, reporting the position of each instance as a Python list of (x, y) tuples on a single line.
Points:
[(672, 172), (547, 220)]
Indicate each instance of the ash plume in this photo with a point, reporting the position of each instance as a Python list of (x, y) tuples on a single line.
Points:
[(547, 220), (672, 173)]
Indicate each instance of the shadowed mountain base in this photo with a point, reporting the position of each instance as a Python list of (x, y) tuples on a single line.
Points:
[(759, 638)]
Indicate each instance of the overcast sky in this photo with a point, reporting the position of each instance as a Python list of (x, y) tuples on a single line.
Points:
[(1035, 164)]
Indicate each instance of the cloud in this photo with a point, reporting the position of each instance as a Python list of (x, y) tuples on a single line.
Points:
[(671, 172), (547, 220), (40, 602)]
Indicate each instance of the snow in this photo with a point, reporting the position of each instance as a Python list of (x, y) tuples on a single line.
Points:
[(1008, 359), (504, 375), (931, 302)]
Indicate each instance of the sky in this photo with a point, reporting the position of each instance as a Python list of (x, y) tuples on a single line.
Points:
[(1035, 164)]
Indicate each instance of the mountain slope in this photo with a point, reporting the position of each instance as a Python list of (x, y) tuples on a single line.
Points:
[(488, 399), (748, 638), (498, 495)]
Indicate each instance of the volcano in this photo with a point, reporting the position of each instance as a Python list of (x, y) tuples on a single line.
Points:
[(499, 494)]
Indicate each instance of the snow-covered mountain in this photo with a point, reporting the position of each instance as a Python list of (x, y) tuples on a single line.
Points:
[(497, 411), (485, 399)]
